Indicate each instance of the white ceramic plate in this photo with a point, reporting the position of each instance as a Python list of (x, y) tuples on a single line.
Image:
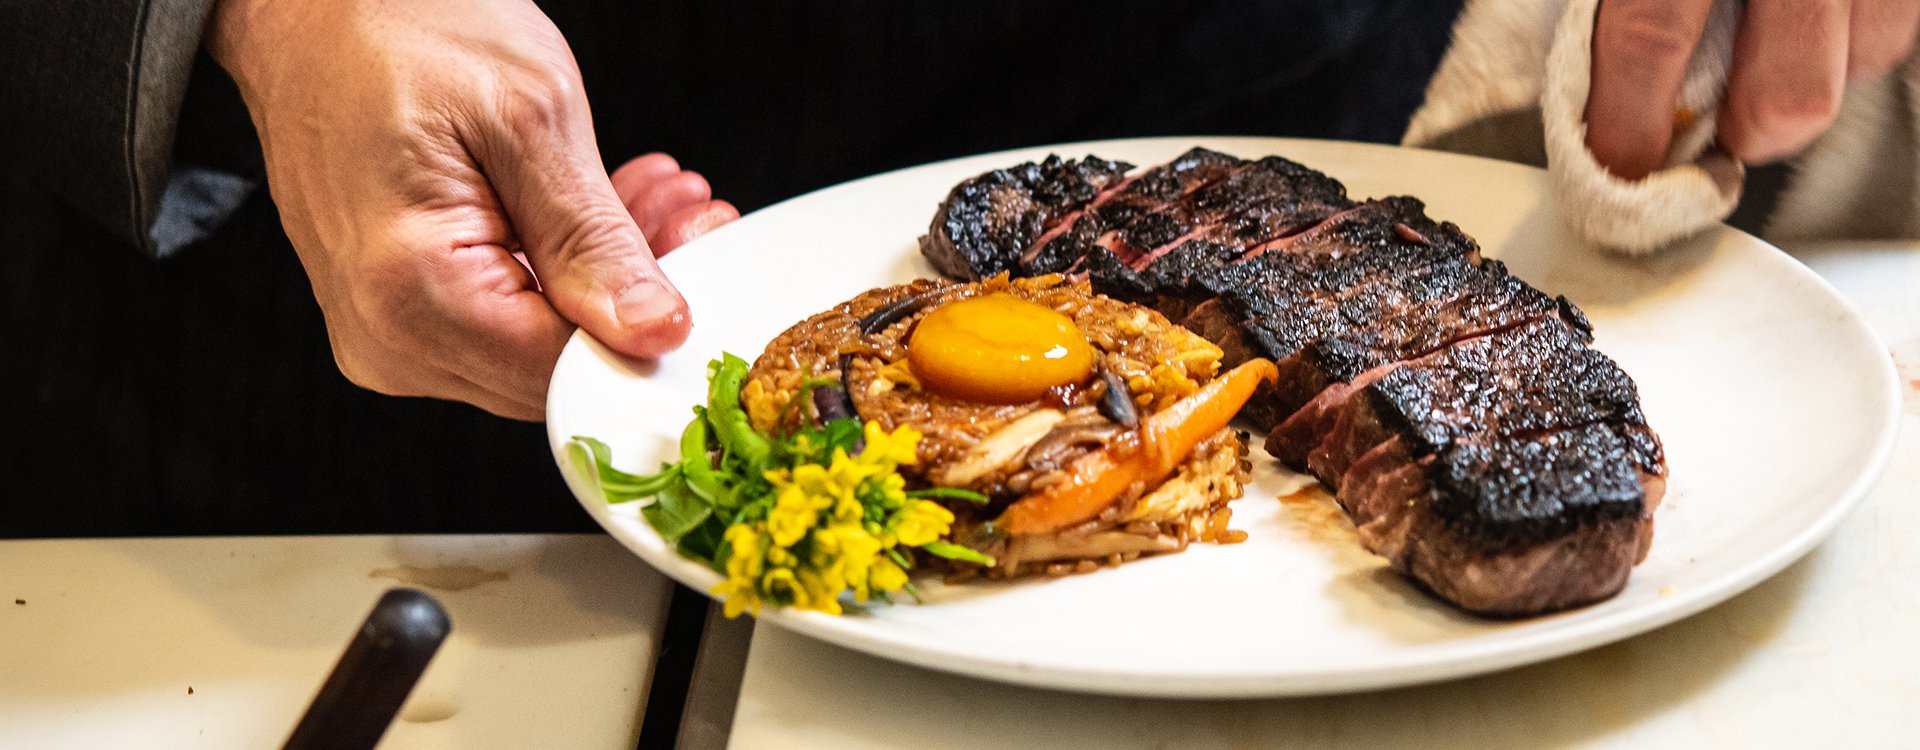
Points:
[(1776, 403)]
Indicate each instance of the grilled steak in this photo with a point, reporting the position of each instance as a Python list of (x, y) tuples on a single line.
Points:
[(1457, 413), (993, 218)]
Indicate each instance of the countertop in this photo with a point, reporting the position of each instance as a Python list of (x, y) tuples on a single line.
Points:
[(221, 642)]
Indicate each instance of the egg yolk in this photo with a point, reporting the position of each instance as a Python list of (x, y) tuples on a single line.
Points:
[(997, 349)]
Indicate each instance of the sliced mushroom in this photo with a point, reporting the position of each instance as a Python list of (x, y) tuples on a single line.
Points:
[(892, 312), (1116, 401), (1069, 440), (1088, 545), (1002, 447)]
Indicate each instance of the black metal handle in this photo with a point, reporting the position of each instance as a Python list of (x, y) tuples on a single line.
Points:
[(374, 676)]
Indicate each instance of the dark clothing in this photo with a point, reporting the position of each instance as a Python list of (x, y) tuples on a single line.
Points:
[(92, 92), (197, 394)]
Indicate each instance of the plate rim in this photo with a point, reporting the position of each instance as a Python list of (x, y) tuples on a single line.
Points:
[(1462, 660)]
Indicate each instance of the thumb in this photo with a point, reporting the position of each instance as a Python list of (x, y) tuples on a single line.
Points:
[(590, 257)]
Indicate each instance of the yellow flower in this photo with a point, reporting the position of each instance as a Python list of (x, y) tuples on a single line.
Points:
[(848, 510), (894, 449), (886, 575), (792, 516), (813, 479), (821, 596), (847, 473), (737, 596), (782, 587), (744, 558), (893, 491), (922, 522), (823, 510), (856, 550)]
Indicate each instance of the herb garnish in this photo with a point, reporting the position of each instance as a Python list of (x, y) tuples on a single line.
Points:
[(791, 520)]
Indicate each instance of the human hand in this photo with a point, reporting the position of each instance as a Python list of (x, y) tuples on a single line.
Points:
[(672, 206), (1791, 59), (412, 149)]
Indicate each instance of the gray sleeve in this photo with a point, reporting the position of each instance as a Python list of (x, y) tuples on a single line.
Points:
[(91, 97)]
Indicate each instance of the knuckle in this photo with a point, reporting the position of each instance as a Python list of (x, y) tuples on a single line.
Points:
[(540, 98), (600, 234)]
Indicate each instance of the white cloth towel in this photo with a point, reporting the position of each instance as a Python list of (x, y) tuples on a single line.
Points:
[(1513, 86)]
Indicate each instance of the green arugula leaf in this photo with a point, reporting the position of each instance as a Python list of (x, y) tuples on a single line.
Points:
[(695, 463), (593, 460), (956, 552), (675, 512), (841, 433), (730, 423), (950, 493), (703, 543)]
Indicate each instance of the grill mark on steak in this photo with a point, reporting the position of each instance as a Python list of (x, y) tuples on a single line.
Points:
[(1528, 380), (987, 222), (1256, 201), (1485, 451), (1098, 224), (1028, 258), (1135, 230), (1203, 195), (1457, 413)]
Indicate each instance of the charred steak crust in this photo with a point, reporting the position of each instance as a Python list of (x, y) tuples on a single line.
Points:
[(988, 221), (1459, 414), (1513, 492)]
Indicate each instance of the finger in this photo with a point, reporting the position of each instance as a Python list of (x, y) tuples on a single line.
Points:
[(666, 197), (592, 261), (1640, 54), (633, 177), (1881, 33), (691, 222), (1789, 66)]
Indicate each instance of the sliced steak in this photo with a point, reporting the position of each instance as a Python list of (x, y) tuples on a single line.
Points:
[(1507, 527), (1457, 413), (1464, 461), (1239, 208), (987, 222), (1129, 212), (1529, 380)]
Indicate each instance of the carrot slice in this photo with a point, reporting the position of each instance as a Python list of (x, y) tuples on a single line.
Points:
[(1168, 437)]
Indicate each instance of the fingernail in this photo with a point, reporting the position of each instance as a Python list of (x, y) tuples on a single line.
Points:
[(649, 303)]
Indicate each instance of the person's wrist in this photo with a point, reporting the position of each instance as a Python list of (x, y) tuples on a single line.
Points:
[(241, 37)]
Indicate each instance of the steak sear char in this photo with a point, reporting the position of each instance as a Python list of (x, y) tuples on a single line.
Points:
[(1458, 414)]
